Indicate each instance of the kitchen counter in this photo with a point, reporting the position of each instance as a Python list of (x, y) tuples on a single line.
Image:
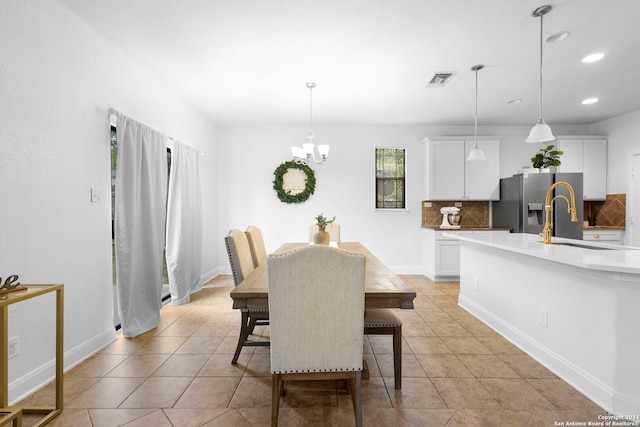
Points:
[(577, 253), (572, 308), (466, 228)]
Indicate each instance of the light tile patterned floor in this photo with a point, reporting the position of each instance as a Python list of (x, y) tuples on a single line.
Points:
[(456, 372)]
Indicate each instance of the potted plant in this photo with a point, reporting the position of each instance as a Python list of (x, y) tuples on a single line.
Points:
[(546, 157), (322, 237)]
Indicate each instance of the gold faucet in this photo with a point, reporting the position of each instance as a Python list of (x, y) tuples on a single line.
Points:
[(548, 207)]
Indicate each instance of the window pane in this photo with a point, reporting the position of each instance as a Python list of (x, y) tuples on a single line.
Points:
[(390, 174)]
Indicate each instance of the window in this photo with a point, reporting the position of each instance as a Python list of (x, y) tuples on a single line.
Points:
[(390, 178)]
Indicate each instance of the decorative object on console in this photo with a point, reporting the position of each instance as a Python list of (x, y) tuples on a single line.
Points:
[(294, 182), (476, 152), (306, 153), (546, 157), (322, 237), (11, 284), (541, 132)]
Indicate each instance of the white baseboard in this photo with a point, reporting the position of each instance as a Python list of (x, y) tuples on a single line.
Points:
[(580, 380), (43, 375)]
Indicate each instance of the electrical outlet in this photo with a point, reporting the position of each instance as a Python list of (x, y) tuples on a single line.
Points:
[(476, 284), (96, 195), (14, 347), (543, 318)]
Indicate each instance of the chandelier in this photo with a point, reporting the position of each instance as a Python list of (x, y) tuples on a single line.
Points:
[(306, 153)]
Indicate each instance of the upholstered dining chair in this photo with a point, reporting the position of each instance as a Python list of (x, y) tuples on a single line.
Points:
[(332, 229), (382, 321), (316, 306), (241, 262), (256, 244)]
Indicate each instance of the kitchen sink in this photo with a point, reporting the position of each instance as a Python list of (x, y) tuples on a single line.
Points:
[(578, 245)]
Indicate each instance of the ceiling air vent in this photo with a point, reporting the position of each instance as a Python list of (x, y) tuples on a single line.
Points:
[(440, 79)]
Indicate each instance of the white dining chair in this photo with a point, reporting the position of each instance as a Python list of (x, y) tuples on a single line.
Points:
[(242, 266), (256, 244), (316, 308)]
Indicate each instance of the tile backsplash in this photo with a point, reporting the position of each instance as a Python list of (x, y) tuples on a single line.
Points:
[(472, 214), (610, 212)]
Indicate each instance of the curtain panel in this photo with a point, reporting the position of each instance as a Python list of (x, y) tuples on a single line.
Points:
[(140, 215), (184, 224)]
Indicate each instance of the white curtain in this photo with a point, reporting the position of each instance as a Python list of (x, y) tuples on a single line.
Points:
[(184, 224), (140, 214)]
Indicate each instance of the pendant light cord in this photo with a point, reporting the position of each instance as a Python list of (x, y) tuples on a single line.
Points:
[(476, 120), (540, 99)]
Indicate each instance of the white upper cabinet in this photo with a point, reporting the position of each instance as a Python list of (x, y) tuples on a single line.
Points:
[(449, 176), (586, 154)]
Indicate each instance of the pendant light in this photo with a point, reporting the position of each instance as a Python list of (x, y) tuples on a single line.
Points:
[(541, 132), (306, 153), (476, 152)]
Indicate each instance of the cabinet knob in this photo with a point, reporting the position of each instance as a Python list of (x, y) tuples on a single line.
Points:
[(596, 236)]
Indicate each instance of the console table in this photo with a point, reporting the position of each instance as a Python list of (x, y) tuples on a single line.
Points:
[(14, 413)]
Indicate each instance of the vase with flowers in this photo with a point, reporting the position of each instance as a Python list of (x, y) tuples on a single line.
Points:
[(322, 237)]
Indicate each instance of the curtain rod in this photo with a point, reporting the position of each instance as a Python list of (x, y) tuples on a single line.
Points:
[(112, 112)]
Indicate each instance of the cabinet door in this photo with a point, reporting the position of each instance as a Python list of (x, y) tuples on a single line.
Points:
[(482, 178), (594, 169), (448, 258), (446, 170), (615, 237), (571, 159)]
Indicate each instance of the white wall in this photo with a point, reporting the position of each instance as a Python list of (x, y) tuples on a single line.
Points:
[(344, 188), (624, 140), (58, 79)]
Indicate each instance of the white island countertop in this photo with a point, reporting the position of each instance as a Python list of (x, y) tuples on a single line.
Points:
[(577, 253)]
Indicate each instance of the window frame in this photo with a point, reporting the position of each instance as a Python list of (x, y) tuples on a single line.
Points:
[(403, 178)]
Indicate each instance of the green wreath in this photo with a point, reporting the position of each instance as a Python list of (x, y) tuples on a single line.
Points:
[(286, 196)]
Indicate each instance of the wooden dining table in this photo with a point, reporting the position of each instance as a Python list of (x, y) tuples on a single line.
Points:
[(383, 288)]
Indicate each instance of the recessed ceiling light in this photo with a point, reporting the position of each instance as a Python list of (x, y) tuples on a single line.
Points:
[(593, 57), (515, 101), (557, 37), (589, 101)]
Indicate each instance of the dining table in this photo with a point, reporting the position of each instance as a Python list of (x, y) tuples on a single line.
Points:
[(383, 288)]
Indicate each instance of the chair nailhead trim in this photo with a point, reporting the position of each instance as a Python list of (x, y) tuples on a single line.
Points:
[(316, 371), (382, 325)]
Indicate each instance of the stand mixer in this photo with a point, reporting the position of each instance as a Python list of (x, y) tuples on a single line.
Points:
[(450, 217)]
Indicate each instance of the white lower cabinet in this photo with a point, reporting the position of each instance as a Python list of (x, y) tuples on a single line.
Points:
[(442, 254), (615, 237)]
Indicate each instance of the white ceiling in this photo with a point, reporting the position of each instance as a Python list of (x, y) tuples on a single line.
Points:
[(247, 61)]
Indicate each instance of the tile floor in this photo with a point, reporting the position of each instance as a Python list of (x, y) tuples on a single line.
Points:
[(456, 372)]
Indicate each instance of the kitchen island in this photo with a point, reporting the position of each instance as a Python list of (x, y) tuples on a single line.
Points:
[(572, 306)]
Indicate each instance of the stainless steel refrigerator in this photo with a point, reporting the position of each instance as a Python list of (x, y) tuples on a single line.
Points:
[(522, 199)]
